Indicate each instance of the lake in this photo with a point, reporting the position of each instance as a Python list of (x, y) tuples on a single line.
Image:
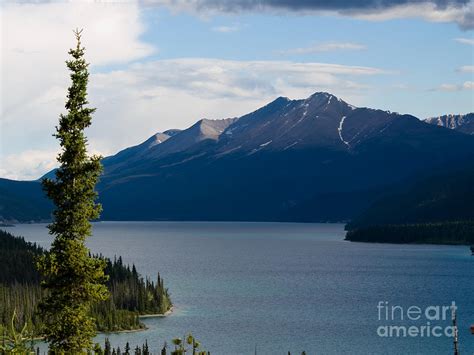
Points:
[(279, 287)]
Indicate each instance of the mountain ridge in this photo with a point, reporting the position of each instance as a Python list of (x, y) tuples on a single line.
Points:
[(313, 159), (460, 122)]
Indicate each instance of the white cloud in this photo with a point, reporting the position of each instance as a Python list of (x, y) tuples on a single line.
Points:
[(326, 47), (467, 85), (35, 40), (149, 97), (30, 164), (27, 165), (469, 41), (460, 12), (214, 78), (448, 87), (466, 69), (401, 86), (139, 99), (226, 29), (136, 102)]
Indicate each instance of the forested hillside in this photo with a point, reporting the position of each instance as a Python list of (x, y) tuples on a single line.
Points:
[(423, 233), (20, 291), (23, 201), (438, 209)]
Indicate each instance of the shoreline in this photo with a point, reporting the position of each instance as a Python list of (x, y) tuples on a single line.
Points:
[(408, 243), (125, 331), (155, 315)]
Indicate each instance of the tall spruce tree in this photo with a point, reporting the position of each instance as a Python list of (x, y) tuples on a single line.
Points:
[(74, 280)]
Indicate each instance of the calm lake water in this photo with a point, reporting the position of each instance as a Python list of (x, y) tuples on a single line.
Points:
[(288, 287)]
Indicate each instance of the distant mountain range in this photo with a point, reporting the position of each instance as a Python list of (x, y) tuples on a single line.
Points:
[(461, 123), (315, 159)]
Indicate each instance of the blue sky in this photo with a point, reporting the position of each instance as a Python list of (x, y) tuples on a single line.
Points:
[(165, 64), (418, 56)]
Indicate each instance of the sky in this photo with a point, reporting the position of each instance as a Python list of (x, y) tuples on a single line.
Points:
[(164, 64)]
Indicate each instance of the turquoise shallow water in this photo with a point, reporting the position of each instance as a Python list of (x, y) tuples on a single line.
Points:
[(287, 287)]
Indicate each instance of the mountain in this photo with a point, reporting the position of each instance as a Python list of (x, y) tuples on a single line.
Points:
[(315, 159), (23, 201), (172, 132), (133, 153), (444, 197), (460, 123), (438, 209)]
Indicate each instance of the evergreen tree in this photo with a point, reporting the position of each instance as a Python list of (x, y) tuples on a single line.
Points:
[(20, 291), (73, 279), (107, 348), (97, 349), (145, 350)]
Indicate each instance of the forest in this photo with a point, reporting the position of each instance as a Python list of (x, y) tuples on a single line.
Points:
[(20, 292), (461, 233)]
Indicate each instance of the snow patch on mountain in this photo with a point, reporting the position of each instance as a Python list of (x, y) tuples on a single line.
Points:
[(291, 145), (305, 112), (459, 122), (339, 130)]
